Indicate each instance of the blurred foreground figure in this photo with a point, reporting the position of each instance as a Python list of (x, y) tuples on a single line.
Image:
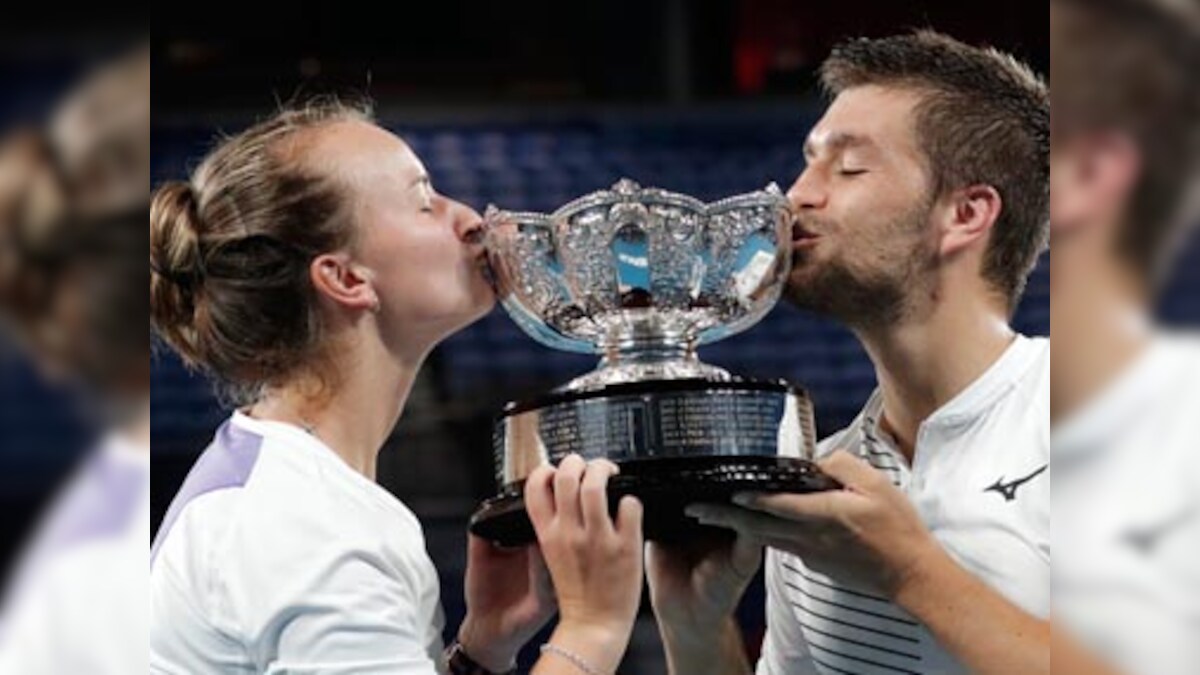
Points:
[(73, 264), (1125, 392)]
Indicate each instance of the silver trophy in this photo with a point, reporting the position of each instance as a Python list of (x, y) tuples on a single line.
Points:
[(642, 277)]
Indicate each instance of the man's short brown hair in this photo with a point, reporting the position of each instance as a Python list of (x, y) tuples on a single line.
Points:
[(984, 119), (1130, 66)]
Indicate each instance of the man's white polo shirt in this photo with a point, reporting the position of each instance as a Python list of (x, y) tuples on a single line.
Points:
[(1127, 515), (981, 483)]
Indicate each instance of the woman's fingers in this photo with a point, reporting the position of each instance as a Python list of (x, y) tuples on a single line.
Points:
[(575, 494), (566, 489), (629, 519), (593, 495), (596, 571), (539, 497)]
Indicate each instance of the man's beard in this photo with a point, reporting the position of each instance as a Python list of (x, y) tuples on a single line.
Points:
[(872, 298)]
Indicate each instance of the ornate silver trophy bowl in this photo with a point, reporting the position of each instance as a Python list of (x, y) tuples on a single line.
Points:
[(641, 277)]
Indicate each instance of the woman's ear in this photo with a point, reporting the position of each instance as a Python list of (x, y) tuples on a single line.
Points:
[(968, 215), (341, 280)]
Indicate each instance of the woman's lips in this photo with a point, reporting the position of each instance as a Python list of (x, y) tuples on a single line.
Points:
[(484, 264), (475, 235)]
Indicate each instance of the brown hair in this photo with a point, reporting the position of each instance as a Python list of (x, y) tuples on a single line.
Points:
[(230, 249), (101, 135), (1131, 65), (56, 252), (73, 198), (984, 119)]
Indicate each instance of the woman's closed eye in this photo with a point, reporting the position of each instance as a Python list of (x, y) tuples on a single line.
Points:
[(425, 199), (425, 194)]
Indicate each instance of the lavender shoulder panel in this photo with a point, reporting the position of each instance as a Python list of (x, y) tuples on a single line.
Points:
[(226, 464), (100, 505)]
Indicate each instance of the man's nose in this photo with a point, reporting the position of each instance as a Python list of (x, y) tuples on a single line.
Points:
[(807, 193)]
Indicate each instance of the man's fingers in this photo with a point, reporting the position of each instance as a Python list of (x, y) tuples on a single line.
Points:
[(539, 573), (848, 469), (666, 561), (746, 555), (813, 507), (798, 548), (756, 524)]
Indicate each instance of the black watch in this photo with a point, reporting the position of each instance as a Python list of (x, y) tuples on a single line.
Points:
[(459, 663)]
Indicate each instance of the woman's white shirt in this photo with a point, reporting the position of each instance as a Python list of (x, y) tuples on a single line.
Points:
[(277, 557)]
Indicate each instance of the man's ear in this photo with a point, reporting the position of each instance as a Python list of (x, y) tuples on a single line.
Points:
[(1092, 177), (967, 216), (341, 280)]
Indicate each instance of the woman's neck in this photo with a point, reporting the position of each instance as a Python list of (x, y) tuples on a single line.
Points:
[(357, 416), (136, 429)]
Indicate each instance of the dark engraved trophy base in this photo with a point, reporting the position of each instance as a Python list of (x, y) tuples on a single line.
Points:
[(665, 486), (677, 442)]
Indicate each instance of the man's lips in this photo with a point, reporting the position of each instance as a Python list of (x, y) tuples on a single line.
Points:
[(802, 237)]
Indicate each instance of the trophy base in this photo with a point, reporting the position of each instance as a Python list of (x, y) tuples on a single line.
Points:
[(665, 485)]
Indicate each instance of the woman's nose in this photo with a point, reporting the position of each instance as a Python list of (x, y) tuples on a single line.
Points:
[(468, 225)]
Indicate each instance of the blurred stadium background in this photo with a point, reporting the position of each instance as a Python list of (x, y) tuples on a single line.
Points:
[(525, 105), (45, 430)]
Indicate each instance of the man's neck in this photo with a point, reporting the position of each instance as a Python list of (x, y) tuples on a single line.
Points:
[(921, 365), (1102, 324), (358, 417)]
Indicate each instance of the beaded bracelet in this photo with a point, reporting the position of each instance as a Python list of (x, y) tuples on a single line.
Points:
[(575, 659)]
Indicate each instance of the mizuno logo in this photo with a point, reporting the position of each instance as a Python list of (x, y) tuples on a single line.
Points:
[(1147, 538), (1009, 490)]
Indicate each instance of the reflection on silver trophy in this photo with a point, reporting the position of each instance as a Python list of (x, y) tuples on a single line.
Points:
[(642, 277)]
